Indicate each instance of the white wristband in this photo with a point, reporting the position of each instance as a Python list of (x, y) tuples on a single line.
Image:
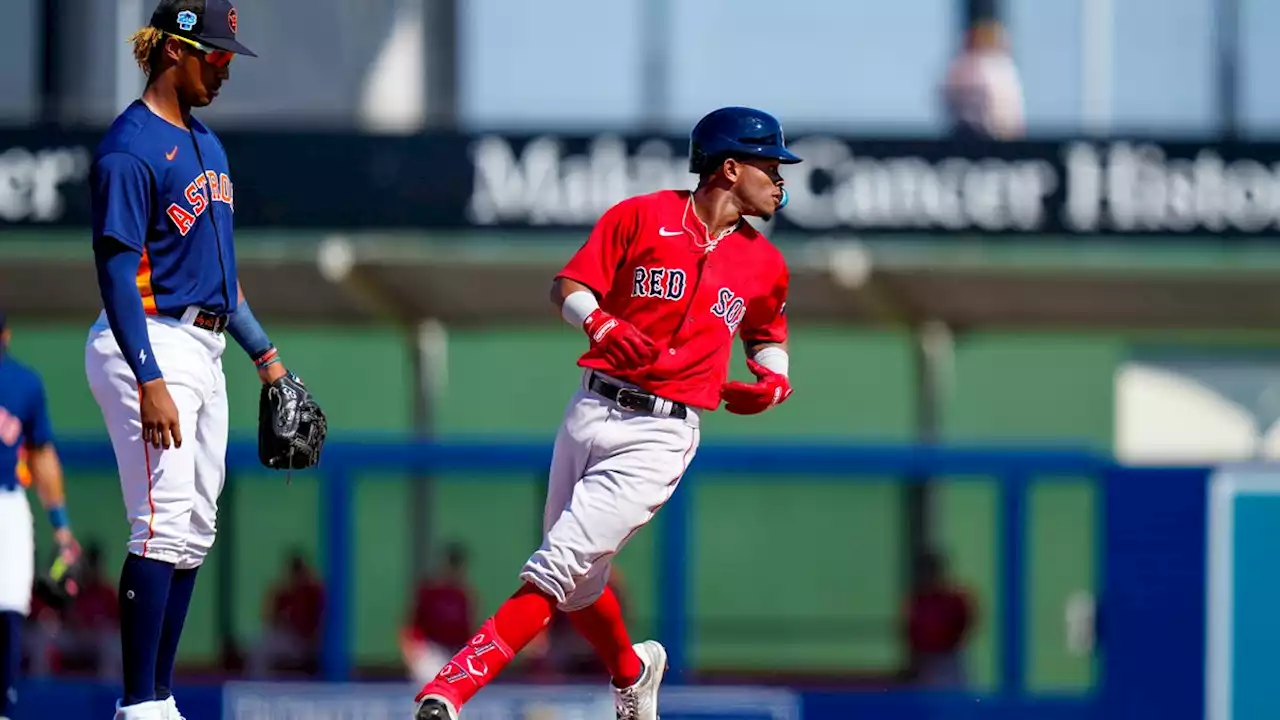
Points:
[(774, 358), (577, 306)]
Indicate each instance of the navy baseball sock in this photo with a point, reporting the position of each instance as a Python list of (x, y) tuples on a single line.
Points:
[(144, 593), (175, 614), (10, 656)]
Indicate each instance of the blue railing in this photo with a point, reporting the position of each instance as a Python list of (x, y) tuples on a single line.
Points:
[(1012, 469)]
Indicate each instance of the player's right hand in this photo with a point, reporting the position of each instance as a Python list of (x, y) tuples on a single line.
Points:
[(159, 416), (620, 342)]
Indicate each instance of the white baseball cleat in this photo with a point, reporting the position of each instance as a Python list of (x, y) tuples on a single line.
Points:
[(640, 701), (154, 710), (171, 707)]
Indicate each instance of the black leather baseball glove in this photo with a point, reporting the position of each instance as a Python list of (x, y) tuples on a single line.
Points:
[(291, 426), (61, 586)]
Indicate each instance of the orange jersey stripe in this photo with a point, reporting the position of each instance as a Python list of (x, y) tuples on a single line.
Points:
[(144, 284), (24, 471)]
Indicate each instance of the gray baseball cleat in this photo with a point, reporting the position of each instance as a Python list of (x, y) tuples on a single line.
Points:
[(640, 701)]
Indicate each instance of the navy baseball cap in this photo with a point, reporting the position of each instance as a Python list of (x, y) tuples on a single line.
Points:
[(208, 22)]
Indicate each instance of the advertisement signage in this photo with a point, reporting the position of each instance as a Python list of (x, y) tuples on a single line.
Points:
[(1128, 186), (372, 701)]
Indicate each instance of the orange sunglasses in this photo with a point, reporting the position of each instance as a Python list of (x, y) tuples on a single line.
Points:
[(215, 57)]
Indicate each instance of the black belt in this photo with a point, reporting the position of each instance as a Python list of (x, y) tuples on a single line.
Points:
[(212, 322), (634, 400), (205, 320)]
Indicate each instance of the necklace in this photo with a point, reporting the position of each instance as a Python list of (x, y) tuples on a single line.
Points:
[(706, 242)]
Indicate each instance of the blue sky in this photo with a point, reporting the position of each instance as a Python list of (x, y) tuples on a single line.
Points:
[(853, 63)]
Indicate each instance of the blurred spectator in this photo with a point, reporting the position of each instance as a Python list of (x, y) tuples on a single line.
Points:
[(982, 92), (291, 627), (85, 636), (39, 638), (90, 636), (440, 619), (938, 620)]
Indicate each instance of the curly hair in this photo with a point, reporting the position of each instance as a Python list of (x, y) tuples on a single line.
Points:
[(147, 46)]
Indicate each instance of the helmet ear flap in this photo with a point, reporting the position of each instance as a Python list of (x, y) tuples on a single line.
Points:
[(697, 160)]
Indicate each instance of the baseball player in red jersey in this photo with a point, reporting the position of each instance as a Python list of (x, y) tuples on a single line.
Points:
[(661, 288)]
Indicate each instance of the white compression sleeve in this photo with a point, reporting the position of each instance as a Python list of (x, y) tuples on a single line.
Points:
[(774, 358), (577, 306)]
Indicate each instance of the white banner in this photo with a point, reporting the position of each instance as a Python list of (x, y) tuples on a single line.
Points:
[(377, 701)]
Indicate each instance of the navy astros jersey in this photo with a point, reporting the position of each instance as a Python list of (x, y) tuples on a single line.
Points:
[(171, 198), (24, 420)]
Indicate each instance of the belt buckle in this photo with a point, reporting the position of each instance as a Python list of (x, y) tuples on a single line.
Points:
[(209, 321), (633, 400)]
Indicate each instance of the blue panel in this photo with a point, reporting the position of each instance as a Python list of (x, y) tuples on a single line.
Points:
[(337, 522), (1152, 610), (1013, 585), (673, 582), (1256, 597)]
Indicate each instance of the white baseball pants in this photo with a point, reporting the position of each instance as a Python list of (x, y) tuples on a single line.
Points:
[(170, 496), (18, 560), (611, 471)]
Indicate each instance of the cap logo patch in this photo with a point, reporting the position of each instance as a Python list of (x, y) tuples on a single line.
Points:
[(187, 20), (233, 21)]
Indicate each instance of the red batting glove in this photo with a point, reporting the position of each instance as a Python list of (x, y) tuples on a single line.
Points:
[(626, 348), (750, 398)]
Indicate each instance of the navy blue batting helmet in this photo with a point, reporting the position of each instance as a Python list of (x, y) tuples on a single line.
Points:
[(736, 131)]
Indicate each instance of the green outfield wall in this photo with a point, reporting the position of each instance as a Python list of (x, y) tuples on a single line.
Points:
[(792, 574)]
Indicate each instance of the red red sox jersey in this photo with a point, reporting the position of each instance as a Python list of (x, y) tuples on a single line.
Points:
[(646, 259)]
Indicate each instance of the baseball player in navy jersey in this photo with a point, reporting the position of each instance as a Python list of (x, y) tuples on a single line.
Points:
[(661, 288), (27, 456), (163, 203)]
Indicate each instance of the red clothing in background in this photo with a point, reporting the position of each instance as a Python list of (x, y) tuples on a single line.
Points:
[(442, 614), (937, 620)]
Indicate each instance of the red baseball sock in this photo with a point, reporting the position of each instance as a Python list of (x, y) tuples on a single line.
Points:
[(515, 625), (601, 624)]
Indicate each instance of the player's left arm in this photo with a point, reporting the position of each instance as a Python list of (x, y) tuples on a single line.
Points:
[(773, 355), (46, 468), (291, 426), (764, 337), (764, 328), (245, 329)]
